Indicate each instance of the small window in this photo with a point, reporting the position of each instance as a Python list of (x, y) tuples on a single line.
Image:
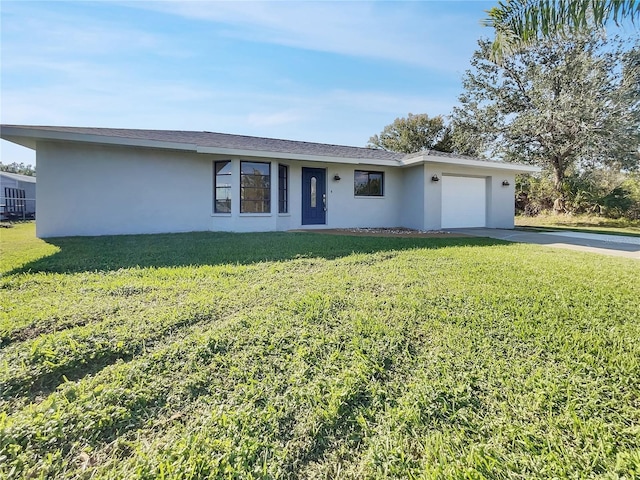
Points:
[(368, 184), (283, 189), (222, 187), (255, 187), (314, 192)]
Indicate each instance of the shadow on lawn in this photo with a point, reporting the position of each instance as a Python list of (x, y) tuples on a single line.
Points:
[(81, 254)]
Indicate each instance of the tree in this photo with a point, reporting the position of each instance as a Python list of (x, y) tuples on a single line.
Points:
[(601, 191), (20, 168), (521, 23), (563, 103), (414, 134)]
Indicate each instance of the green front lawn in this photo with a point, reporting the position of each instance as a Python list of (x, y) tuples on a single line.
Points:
[(296, 355)]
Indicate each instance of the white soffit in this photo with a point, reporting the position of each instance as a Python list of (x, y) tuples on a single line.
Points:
[(471, 162)]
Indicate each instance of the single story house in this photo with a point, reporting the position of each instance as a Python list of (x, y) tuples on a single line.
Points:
[(17, 196), (100, 181)]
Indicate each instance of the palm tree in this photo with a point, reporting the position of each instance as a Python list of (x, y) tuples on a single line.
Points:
[(519, 23)]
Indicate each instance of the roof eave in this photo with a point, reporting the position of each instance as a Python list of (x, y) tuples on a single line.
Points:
[(28, 137), (469, 162), (235, 152)]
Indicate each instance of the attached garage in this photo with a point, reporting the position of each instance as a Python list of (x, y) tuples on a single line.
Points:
[(464, 202)]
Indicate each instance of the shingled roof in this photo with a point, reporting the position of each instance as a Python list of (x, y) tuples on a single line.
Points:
[(239, 145), (227, 141)]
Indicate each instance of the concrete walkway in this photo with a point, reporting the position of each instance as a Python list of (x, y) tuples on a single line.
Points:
[(619, 246)]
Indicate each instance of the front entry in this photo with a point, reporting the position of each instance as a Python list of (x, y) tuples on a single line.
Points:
[(314, 196)]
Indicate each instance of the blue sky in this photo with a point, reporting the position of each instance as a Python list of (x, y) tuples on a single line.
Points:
[(333, 72)]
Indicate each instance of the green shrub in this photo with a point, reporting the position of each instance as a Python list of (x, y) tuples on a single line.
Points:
[(593, 192)]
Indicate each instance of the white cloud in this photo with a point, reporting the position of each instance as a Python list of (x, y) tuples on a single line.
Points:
[(51, 33), (396, 31), (67, 68)]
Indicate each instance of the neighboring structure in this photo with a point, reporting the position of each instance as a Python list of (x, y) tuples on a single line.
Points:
[(98, 181), (17, 196)]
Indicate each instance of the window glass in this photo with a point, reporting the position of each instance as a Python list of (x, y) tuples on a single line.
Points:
[(255, 187), (255, 168), (314, 192), (370, 184), (283, 189), (222, 187), (361, 185)]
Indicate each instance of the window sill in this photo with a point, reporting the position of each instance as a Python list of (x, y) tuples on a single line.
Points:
[(368, 196), (255, 214)]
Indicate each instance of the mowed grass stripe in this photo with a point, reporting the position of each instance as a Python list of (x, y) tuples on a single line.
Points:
[(406, 360)]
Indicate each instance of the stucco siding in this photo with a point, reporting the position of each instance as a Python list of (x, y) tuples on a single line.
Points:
[(100, 190), (345, 209), (501, 205), (433, 198), (500, 202), (412, 209)]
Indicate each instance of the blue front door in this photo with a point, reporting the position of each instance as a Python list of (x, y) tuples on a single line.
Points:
[(314, 196)]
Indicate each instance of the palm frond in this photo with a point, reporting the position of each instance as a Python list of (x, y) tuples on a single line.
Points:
[(518, 23)]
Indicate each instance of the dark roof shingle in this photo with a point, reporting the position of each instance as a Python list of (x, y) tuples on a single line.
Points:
[(225, 140)]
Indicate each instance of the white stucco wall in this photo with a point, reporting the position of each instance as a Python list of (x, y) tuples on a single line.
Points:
[(500, 202), (100, 190), (103, 190), (86, 189), (412, 209), (501, 205), (345, 209)]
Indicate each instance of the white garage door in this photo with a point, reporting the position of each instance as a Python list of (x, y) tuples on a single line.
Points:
[(464, 202)]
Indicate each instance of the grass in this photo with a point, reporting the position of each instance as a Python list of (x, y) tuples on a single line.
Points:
[(293, 355), (581, 223)]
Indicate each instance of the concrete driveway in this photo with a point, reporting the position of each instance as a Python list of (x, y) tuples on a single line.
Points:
[(615, 245)]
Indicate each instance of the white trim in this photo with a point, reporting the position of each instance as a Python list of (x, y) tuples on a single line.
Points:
[(9, 133), (470, 162)]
